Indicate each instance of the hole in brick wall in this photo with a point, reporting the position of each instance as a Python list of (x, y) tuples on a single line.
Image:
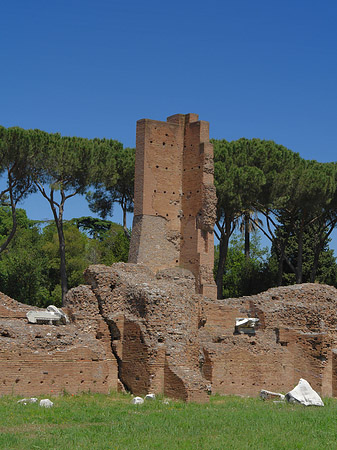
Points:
[(198, 167), (166, 134), (166, 215), (17, 380), (154, 190), (198, 192), (166, 168), (81, 371), (151, 142), (41, 382), (112, 286), (177, 260), (171, 145), (157, 167), (163, 143), (137, 378), (191, 237), (156, 214), (164, 192), (191, 145), (173, 192), (82, 381)]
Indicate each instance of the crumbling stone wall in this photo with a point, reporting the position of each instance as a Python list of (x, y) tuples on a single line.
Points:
[(295, 339), (175, 201), (48, 359)]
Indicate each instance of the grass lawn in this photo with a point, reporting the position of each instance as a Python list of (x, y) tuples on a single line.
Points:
[(92, 421)]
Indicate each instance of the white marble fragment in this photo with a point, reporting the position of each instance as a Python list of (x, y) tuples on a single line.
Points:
[(137, 401), (52, 315), (46, 403), (150, 396), (303, 393), (246, 324), (268, 395), (24, 401)]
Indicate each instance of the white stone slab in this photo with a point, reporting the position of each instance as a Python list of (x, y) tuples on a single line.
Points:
[(46, 403), (137, 401), (303, 393)]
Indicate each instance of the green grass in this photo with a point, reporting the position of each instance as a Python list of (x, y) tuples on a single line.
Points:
[(92, 421)]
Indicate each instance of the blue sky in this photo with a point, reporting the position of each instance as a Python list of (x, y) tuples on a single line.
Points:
[(265, 69)]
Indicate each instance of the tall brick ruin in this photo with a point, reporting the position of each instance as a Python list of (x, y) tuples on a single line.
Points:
[(175, 201), (154, 325)]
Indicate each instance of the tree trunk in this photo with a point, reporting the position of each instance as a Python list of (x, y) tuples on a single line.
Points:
[(125, 228), (14, 222), (280, 269), (223, 249), (62, 245), (299, 271), (247, 237)]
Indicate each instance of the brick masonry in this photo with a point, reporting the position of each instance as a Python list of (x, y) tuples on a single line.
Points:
[(175, 202), (147, 327)]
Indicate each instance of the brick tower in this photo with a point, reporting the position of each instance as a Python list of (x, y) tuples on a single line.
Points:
[(175, 201)]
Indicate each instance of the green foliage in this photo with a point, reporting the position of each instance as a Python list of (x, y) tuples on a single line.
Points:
[(105, 422), (326, 267), (245, 276), (117, 187), (29, 267)]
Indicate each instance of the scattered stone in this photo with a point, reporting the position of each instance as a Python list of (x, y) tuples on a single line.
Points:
[(137, 401), (268, 395), (245, 325), (52, 316), (150, 397), (46, 403), (304, 394), (24, 401)]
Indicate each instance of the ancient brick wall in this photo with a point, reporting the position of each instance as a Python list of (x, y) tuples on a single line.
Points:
[(175, 198), (295, 339), (47, 359)]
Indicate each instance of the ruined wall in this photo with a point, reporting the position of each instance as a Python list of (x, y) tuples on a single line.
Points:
[(48, 359), (175, 198), (295, 339)]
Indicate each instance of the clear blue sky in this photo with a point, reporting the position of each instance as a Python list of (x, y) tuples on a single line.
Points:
[(265, 69)]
